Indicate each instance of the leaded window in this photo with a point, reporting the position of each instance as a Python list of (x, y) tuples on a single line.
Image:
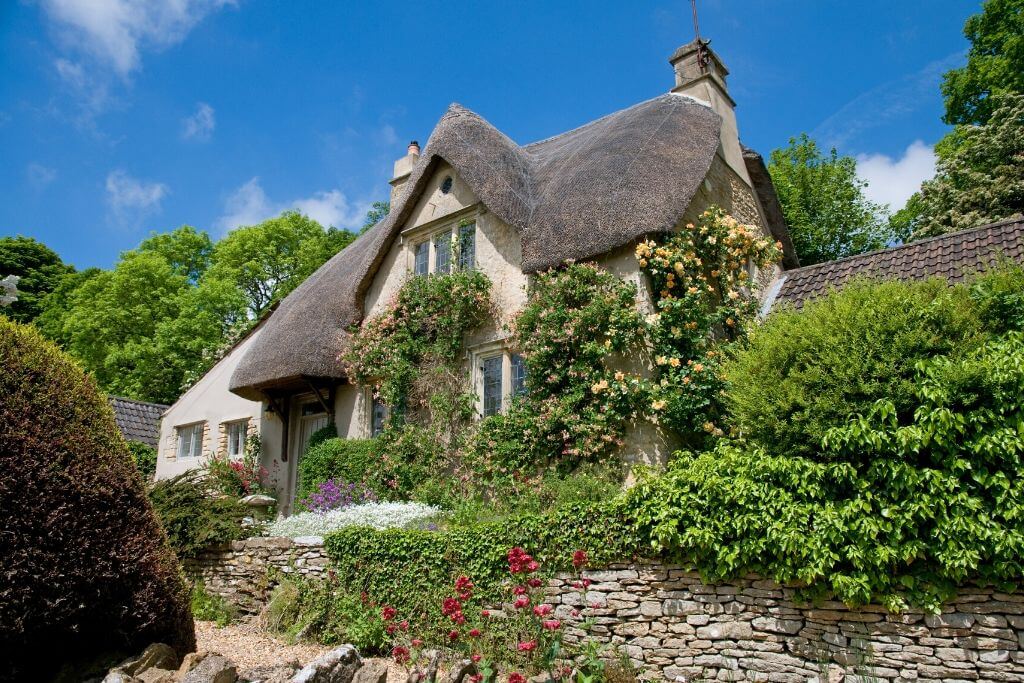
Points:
[(518, 374), (467, 246), (422, 265), (443, 253), (378, 417), (237, 431), (492, 385)]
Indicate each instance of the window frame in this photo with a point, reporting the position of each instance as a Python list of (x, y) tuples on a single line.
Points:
[(195, 440), (479, 356), (492, 404), (464, 263), (421, 248), (456, 234), (242, 426)]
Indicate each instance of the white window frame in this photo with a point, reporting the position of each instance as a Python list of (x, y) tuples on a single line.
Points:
[(433, 234), (242, 426), (196, 431)]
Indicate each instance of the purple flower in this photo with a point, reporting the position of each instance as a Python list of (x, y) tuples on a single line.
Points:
[(335, 494)]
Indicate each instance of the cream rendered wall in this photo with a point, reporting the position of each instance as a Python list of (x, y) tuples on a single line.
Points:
[(210, 402)]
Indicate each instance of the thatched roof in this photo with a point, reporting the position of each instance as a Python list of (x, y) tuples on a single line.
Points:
[(953, 257), (573, 196)]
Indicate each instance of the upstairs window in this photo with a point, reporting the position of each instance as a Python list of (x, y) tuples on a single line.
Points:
[(518, 364), (492, 372), (237, 432), (442, 253), (467, 247), (422, 263), (190, 440)]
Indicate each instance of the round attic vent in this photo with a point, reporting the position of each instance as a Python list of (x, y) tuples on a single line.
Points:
[(446, 185)]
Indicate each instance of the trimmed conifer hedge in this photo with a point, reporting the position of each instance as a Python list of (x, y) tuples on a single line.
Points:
[(86, 569)]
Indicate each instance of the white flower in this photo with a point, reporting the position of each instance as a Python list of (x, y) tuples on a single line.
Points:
[(376, 515)]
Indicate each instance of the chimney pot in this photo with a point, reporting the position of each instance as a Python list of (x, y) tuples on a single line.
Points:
[(414, 148)]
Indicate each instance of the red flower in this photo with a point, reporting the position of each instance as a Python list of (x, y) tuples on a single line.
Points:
[(390, 629), (516, 677), (474, 633), (476, 678), (521, 602), (532, 566), (400, 654), (417, 642), (388, 613), (579, 558), (485, 613), (534, 583), (450, 606), (475, 658), (453, 635), (551, 624), (459, 619), (463, 586), (519, 590), (520, 562), (586, 583), (527, 646), (542, 610), (404, 625)]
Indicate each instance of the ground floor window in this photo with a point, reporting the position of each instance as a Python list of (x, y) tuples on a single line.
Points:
[(190, 440), (499, 376), (237, 432)]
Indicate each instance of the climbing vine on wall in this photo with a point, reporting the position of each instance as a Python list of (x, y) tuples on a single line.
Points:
[(703, 300)]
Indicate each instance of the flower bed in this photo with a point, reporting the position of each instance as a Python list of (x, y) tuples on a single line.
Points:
[(375, 515)]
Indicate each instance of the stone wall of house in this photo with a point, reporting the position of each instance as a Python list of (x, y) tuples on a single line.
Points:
[(242, 572), (671, 624)]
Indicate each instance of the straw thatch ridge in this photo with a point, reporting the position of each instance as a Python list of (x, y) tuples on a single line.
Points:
[(573, 196)]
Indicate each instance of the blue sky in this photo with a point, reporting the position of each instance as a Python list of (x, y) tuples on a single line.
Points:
[(121, 117)]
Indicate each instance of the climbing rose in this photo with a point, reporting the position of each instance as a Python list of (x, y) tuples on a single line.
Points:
[(388, 613), (527, 646), (551, 624), (579, 558)]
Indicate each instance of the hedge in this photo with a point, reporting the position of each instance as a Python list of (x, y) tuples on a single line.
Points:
[(87, 570), (352, 460)]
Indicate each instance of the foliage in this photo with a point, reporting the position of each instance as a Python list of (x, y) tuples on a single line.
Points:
[(981, 179), (378, 212), (325, 611), (703, 302), (330, 431), (995, 63), (351, 460), (85, 561), (824, 204), (210, 607), (193, 518), (238, 477), (40, 269), (410, 569), (805, 371), (384, 515), (427, 320), (900, 507), (144, 456)]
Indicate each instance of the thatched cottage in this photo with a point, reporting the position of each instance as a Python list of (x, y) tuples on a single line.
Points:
[(589, 194)]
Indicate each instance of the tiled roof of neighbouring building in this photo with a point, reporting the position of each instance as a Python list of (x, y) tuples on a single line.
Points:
[(953, 257), (138, 420)]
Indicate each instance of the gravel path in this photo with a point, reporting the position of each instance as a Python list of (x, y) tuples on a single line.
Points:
[(249, 646)]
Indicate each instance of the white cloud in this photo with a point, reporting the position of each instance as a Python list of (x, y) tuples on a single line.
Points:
[(130, 198), (249, 205), (892, 181), (40, 176), (114, 32), (200, 125)]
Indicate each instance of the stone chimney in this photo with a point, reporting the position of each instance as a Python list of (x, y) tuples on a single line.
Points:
[(403, 167), (700, 74)]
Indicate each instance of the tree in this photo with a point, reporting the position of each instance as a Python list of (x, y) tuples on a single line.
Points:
[(982, 178), (378, 212), (40, 270), (824, 204), (269, 260), (995, 63), (186, 249)]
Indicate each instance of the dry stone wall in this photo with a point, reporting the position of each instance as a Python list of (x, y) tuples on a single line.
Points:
[(674, 626)]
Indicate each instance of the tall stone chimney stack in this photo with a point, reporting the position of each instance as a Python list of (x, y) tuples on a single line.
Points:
[(700, 74), (403, 167)]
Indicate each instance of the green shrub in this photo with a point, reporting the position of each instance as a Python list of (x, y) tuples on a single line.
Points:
[(85, 563), (901, 508), (324, 611), (144, 456), (193, 515), (803, 372), (323, 434), (210, 607), (353, 460), (411, 569)]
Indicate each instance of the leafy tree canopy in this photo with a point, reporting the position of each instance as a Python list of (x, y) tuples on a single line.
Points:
[(823, 201), (995, 63), (981, 178), (40, 270), (378, 212)]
